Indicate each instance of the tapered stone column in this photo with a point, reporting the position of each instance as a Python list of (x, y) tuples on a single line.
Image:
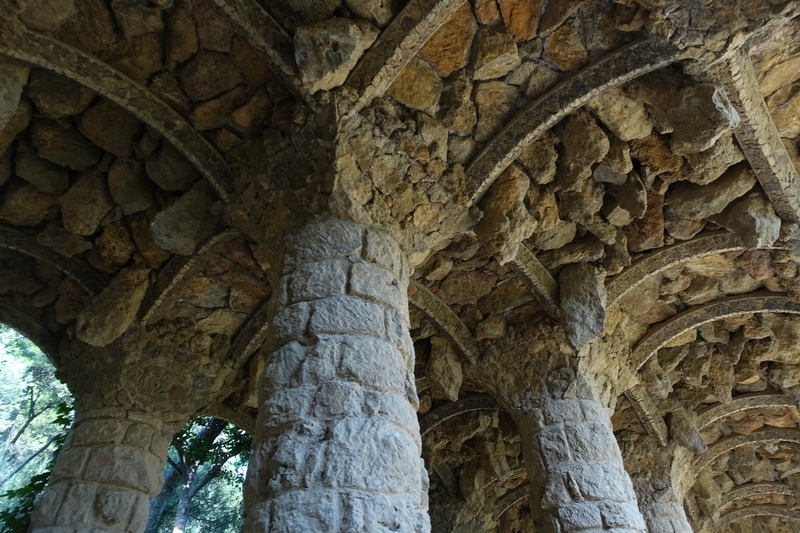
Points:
[(337, 446), (106, 474), (578, 481)]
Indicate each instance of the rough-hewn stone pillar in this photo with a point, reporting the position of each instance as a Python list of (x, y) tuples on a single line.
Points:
[(578, 481), (650, 466), (337, 446), (106, 474)]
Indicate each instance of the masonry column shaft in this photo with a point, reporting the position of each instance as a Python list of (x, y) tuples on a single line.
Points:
[(106, 474), (337, 446), (578, 480)]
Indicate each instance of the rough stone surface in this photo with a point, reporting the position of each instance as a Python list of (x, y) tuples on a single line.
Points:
[(327, 52), (114, 309), (417, 86), (583, 303), (180, 227), (448, 50), (111, 128), (342, 363), (15, 76)]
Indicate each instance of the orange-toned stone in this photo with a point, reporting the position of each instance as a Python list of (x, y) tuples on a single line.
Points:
[(448, 49), (521, 17)]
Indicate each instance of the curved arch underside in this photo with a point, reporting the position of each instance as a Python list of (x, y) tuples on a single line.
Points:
[(761, 510), (659, 336), (751, 490), (740, 404), (728, 444), (623, 65), (19, 43)]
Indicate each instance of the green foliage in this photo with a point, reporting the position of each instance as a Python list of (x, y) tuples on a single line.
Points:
[(206, 465), (16, 517), (33, 424)]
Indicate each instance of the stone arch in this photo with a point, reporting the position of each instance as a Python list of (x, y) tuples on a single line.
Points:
[(659, 336), (540, 115), (47, 53), (729, 444), (761, 510), (743, 403)]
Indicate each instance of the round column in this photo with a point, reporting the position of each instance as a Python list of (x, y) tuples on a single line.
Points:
[(578, 480), (106, 474), (337, 446)]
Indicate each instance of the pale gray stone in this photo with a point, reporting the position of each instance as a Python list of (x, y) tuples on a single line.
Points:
[(583, 302)]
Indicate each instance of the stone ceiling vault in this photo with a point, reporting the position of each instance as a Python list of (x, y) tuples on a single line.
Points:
[(614, 181)]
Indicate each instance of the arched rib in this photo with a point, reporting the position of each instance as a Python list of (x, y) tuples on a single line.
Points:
[(627, 63), (84, 275), (538, 279), (516, 496), (251, 336), (447, 321), (659, 336), (44, 52), (177, 272), (728, 444), (757, 510), (743, 403), (758, 136), (648, 414), (268, 38), (705, 244), (752, 490), (31, 328), (396, 46), (467, 404)]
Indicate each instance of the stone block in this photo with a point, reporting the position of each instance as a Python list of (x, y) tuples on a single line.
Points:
[(621, 515), (372, 282), (313, 281), (306, 510), (99, 431), (338, 399), (373, 363), (112, 507), (591, 441), (554, 446), (70, 463), (603, 482), (285, 365), (290, 324), (285, 406), (346, 315), (555, 493), (75, 510), (395, 408), (138, 436), (323, 240), (383, 251), (357, 445), (44, 512), (124, 466), (397, 324), (579, 516), (557, 411)]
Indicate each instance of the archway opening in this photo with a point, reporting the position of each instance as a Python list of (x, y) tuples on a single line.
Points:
[(36, 414), (203, 479)]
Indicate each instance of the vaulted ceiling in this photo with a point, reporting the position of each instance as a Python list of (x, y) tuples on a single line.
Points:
[(153, 154)]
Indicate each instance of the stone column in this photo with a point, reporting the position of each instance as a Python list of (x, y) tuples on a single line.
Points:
[(106, 474), (650, 466), (665, 517), (578, 481), (337, 446)]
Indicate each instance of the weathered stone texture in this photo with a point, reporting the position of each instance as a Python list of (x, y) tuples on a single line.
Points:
[(577, 476), (106, 474), (337, 445)]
